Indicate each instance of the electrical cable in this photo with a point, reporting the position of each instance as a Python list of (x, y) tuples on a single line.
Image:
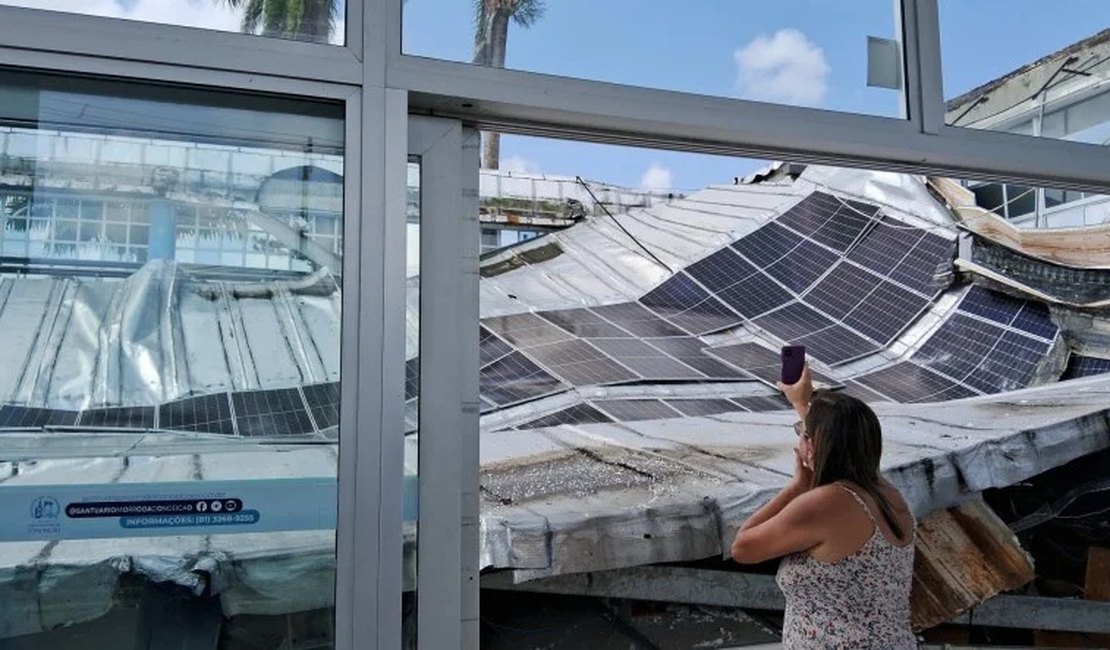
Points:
[(619, 225)]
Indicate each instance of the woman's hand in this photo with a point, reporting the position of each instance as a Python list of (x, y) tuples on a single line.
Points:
[(800, 392)]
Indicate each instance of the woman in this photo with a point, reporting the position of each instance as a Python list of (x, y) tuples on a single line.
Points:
[(846, 532)]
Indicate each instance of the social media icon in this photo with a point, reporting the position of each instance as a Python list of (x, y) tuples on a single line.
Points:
[(217, 506), (202, 506), (230, 505)]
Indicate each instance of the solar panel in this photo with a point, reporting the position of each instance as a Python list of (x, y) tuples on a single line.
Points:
[(646, 361), (584, 323), (123, 417), (991, 305), (323, 403), (835, 345), (919, 269), (24, 417), (701, 407), (516, 378), (756, 295), (681, 301), (721, 270), (886, 312), (810, 213), (580, 364), (845, 226), (525, 330), (793, 322), (762, 403), (752, 358), (637, 320), (861, 392), (1078, 366), (577, 414), (490, 346), (842, 290), (632, 410), (803, 266), (693, 353), (269, 413), (1035, 319), (201, 414), (958, 346), (767, 244), (887, 243), (412, 377), (908, 382), (1010, 365)]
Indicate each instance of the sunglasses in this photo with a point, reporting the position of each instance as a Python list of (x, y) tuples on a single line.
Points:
[(800, 430)]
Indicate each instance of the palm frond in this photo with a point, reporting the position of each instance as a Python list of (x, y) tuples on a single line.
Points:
[(527, 12), (252, 14)]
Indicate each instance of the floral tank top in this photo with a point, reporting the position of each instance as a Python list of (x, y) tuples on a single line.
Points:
[(861, 601)]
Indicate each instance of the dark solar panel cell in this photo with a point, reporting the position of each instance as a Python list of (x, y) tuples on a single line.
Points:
[(702, 407), (646, 361), (756, 295), (721, 270), (525, 330), (923, 267), (767, 245), (992, 305), (842, 290), (886, 312), (577, 414), (861, 392), (1084, 366), (958, 346), (681, 301), (323, 403), (580, 364), (125, 417), (908, 382), (693, 353), (490, 346), (803, 266), (793, 322), (762, 403), (1010, 365), (809, 214), (584, 323), (1034, 318), (836, 345), (202, 414), (885, 245), (752, 358), (516, 378), (24, 417), (845, 228), (637, 319), (266, 413), (632, 410)]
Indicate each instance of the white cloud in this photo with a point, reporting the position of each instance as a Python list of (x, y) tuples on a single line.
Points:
[(786, 67), (657, 177), (519, 165), (206, 14)]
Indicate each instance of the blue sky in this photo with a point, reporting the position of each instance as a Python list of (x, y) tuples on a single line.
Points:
[(814, 55)]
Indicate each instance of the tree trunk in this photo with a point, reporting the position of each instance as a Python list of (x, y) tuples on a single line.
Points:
[(497, 37)]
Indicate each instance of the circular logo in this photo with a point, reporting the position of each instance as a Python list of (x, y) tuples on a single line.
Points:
[(230, 505), (202, 506), (217, 506), (45, 508)]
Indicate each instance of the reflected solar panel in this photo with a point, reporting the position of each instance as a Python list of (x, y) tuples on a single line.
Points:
[(842, 290), (24, 417), (412, 415), (646, 361), (580, 364), (762, 403), (756, 295), (693, 353), (632, 410), (835, 345), (958, 346), (201, 414), (886, 312), (525, 330), (681, 301), (123, 417), (793, 322), (1010, 365), (931, 256), (516, 378), (809, 214), (577, 414), (637, 319), (846, 226), (702, 407), (802, 268), (267, 413), (490, 346), (323, 403), (412, 377), (721, 270), (1078, 366), (885, 245), (908, 382), (767, 244), (584, 323)]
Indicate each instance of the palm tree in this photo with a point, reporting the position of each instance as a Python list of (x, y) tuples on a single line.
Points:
[(302, 20), (491, 33)]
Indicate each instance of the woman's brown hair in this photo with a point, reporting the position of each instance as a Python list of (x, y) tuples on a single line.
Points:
[(847, 445)]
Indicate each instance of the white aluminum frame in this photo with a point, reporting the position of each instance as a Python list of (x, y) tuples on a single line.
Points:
[(380, 86)]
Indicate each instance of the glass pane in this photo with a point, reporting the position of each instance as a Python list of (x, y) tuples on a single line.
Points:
[(1028, 67), (412, 398), (814, 54), (320, 21), (169, 418)]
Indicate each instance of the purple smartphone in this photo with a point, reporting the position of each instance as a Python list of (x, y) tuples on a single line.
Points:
[(793, 362)]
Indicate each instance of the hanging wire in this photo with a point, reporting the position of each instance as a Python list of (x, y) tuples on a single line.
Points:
[(601, 205)]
